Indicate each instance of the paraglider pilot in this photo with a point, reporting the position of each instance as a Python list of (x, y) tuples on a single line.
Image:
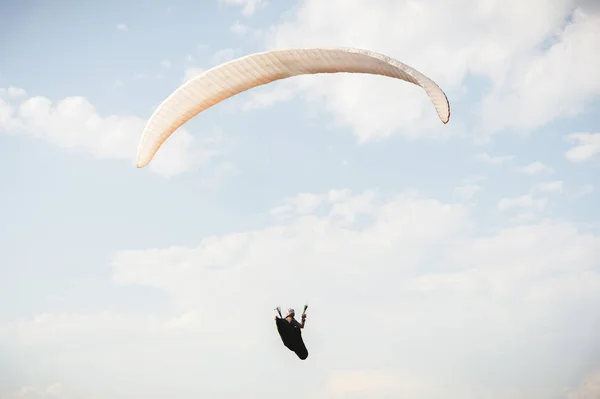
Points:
[(290, 332)]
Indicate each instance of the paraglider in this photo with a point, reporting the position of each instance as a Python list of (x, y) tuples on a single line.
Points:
[(236, 76), (289, 330)]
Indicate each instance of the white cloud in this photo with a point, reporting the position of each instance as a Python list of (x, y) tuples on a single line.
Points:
[(307, 243), (12, 93), (523, 201), (239, 28), (379, 384), (525, 65), (587, 146), (249, 7), (414, 270), (550, 187), (122, 28), (467, 192), (584, 190), (534, 168), (303, 203), (339, 195), (524, 218), (536, 91), (495, 160), (74, 124), (54, 391), (475, 178)]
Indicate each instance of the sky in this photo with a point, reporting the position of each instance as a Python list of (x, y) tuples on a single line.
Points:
[(458, 260)]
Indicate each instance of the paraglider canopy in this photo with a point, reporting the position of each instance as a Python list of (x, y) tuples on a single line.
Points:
[(233, 77)]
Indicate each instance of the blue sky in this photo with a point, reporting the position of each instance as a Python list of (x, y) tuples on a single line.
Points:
[(468, 244)]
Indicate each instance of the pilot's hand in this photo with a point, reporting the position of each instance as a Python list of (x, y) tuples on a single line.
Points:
[(304, 316)]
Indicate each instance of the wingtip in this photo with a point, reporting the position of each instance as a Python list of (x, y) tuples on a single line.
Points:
[(446, 119)]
